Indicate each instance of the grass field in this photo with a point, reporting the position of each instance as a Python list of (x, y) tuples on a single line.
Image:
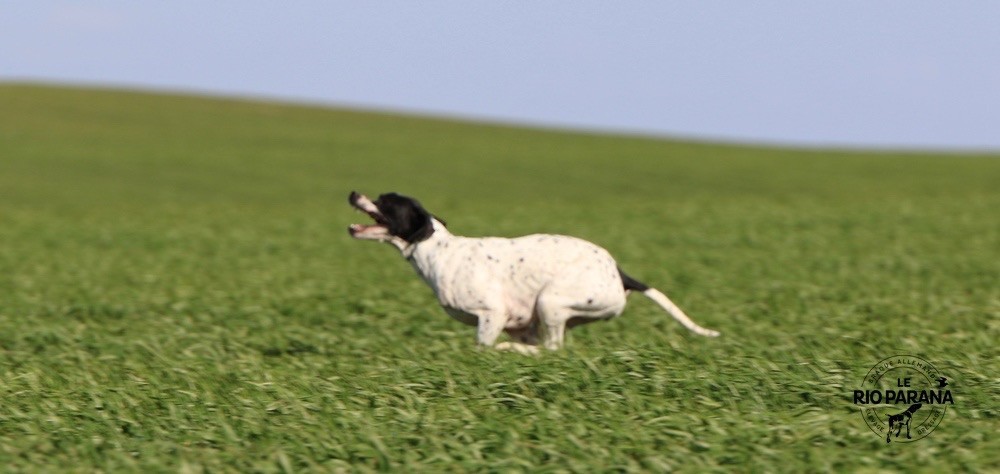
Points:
[(178, 292)]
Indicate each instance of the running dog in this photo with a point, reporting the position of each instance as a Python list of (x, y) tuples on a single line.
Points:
[(533, 287), (900, 419)]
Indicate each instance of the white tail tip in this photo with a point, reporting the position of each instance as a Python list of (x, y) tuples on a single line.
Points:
[(665, 303)]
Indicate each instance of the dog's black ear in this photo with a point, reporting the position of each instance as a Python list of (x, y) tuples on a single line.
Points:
[(424, 226), (420, 226)]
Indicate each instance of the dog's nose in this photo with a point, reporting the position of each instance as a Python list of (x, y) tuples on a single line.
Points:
[(353, 197)]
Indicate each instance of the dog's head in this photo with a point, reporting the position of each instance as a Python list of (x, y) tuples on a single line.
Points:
[(395, 216)]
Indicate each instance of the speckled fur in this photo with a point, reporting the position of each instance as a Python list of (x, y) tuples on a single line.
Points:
[(529, 286)]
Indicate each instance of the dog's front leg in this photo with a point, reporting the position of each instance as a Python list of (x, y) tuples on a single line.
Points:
[(489, 327)]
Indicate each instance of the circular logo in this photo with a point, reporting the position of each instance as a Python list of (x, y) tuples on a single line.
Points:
[(903, 398)]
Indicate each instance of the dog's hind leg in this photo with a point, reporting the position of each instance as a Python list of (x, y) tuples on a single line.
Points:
[(552, 310), (553, 335)]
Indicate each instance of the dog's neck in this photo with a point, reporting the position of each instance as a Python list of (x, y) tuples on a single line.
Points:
[(425, 256), (439, 235)]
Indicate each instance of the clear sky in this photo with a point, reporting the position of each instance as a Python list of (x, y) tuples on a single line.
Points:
[(858, 73)]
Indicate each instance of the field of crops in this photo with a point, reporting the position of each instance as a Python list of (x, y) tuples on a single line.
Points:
[(178, 292)]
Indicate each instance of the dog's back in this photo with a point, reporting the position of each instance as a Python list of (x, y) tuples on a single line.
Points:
[(518, 269), (534, 261)]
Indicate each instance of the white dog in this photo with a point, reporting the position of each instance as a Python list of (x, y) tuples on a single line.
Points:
[(532, 287)]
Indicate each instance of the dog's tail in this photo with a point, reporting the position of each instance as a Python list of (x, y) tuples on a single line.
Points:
[(661, 299)]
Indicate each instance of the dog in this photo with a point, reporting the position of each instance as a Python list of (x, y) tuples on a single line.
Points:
[(533, 288), (900, 419)]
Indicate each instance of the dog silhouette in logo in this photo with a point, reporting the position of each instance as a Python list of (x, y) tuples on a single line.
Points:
[(900, 419)]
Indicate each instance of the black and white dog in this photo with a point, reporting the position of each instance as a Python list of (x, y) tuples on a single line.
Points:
[(902, 419), (532, 287)]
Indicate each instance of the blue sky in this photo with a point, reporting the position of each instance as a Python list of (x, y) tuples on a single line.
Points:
[(908, 74)]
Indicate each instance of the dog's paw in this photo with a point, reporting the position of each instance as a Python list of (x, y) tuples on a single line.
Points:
[(517, 347)]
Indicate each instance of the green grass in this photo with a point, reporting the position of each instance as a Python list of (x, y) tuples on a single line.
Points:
[(178, 293)]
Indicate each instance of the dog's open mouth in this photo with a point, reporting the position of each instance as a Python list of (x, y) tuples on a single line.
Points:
[(379, 220), (378, 230), (358, 228)]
